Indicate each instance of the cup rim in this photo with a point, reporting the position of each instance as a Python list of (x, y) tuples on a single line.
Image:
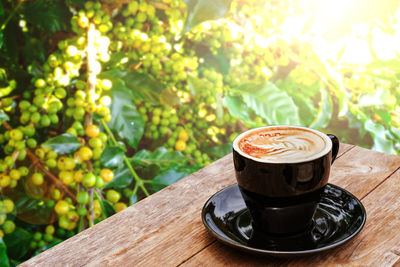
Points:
[(320, 154)]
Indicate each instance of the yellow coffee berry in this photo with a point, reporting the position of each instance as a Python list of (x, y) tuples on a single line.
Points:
[(85, 153), (61, 163), (13, 183), (113, 196), (50, 229), (3, 218), (15, 174), (62, 207), (4, 180), (180, 145), (66, 177), (78, 175), (183, 135), (69, 164), (107, 175), (56, 194), (96, 204), (119, 206), (9, 205), (92, 131), (8, 227), (37, 178)]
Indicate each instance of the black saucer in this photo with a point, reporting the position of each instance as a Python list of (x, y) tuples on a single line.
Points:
[(339, 217)]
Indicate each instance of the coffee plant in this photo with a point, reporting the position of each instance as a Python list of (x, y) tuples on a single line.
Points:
[(103, 103)]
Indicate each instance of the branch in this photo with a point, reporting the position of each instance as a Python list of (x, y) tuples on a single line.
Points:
[(91, 77), (138, 180), (38, 164), (52, 177), (91, 59), (91, 222)]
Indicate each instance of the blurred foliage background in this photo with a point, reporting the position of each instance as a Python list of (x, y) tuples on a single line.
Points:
[(106, 102)]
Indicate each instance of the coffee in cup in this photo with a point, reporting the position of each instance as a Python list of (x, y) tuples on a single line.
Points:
[(281, 172), (282, 144)]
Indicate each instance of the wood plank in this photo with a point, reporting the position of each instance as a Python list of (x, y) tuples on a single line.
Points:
[(233, 258), (344, 148), (165, 227), (378, 244), (359, 170)]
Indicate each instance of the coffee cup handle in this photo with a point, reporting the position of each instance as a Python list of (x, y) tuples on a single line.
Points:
[(335, 146)]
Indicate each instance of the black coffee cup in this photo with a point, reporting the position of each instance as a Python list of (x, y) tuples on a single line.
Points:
[(281, 172)]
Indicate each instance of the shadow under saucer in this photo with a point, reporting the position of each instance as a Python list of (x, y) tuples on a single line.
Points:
[(338, 218)]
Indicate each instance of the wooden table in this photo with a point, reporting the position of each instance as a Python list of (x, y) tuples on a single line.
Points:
[(165, 229)]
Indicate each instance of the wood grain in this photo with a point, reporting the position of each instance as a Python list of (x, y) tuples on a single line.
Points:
[(378, 244), (344, 148), (165, 229), (360, 171)]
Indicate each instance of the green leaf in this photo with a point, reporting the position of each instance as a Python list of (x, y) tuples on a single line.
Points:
[(378, 133), (164, 179), (3, 253), (304, 97), (133, 199), (50, 16), (272, 104), (396, 132), (17, 243), (236, 107), (126, 121), (307, 109), (188, 169), (112, 156), (36, 69), (142, 85), (217, 61), (391, 64), (113, 74), (63, 144), (3, 117), (385, 115), (196, 86), (122, 178), (380, 97), (169, 98), (107, 208), (160, 156), (202, 10), (149, 171), (31, 210), (116, 60), (220, 150), (325, 111)]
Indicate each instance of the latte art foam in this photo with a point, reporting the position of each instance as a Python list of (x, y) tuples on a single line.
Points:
[(281, 144)]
